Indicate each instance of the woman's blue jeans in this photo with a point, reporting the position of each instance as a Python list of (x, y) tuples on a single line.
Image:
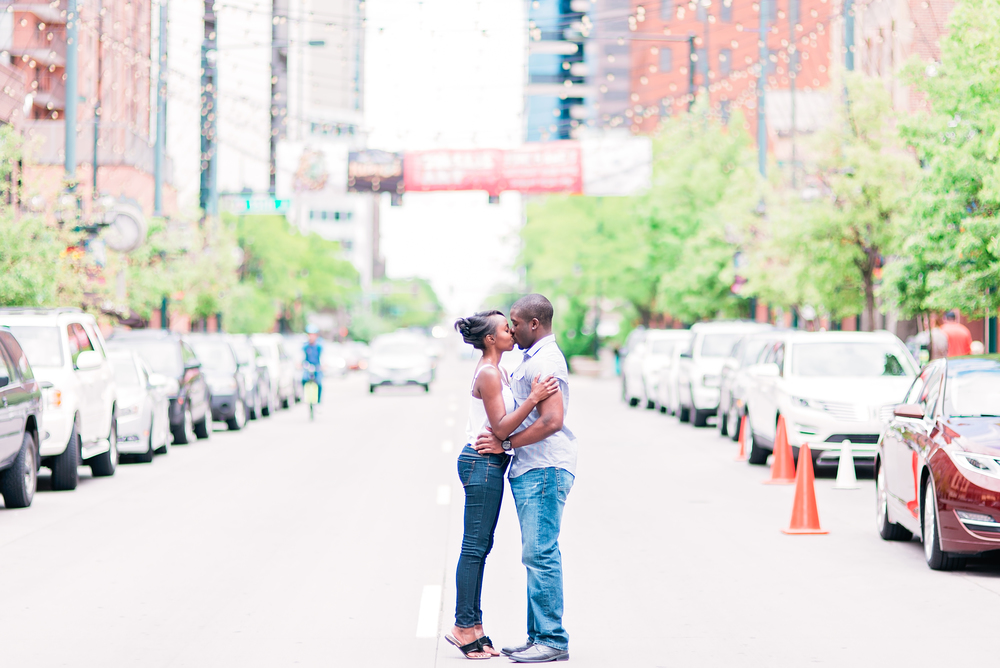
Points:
[(482, 477)]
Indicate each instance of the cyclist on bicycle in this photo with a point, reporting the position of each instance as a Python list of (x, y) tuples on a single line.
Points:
[(311, 369)]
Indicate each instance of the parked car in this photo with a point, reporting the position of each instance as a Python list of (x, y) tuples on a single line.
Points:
[(399, 359), (642, 368), (143, 407), (937, 471), (65, 348), (355, 355), (280, 368), (167, 354), (666, 386), (20, 424), (829, 387), (256, 381), (699, 374), (227, 392), (733, 385)]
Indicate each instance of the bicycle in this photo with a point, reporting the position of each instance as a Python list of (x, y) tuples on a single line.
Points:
[(310, 389)]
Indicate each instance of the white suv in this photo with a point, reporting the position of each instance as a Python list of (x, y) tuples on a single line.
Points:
[(65, 348)]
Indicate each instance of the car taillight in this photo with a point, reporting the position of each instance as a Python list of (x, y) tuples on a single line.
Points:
[(53, 398)]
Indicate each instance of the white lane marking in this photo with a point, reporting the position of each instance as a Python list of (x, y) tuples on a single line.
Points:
[(450, 422), (446, 446), (444, 495), (430, 612)]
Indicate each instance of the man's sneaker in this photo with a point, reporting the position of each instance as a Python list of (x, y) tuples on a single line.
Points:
[(507, 651), (540, 654)]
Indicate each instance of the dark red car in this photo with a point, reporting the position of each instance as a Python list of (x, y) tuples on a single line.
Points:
[(938, 465)]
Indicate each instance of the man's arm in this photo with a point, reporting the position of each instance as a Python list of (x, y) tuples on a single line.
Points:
[(550, 420)]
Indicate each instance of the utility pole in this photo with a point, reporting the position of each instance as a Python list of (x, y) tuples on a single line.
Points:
[(761, 79), (97, 97), (208, 197), (706, 68), (849, 35), (793, 72), (161, 114), (692, 59), (69, 113), (378, 267), (279, 84)]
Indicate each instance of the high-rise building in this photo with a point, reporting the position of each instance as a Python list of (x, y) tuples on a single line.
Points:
[(558, 97)]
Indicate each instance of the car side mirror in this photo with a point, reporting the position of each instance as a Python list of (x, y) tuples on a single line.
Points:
[(89, 359), (766, 370), (192, 365), (46, 385), (913, 411)]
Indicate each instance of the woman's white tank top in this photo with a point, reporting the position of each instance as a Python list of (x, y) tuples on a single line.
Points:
[(478, 419)]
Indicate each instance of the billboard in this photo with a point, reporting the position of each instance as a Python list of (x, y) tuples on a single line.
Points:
[(313, 167), (375, 171)]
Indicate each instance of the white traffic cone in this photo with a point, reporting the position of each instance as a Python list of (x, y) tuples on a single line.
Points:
[(846, 479)]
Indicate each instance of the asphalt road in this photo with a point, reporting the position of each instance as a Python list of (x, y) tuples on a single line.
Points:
[(334, 543)]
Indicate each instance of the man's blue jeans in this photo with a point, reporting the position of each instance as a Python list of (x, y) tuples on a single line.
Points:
[(540, 495), (482, 478)]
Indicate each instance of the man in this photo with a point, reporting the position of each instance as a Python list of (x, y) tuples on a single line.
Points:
[(939, 340), (959, 337), (541, 474), (313, 352)]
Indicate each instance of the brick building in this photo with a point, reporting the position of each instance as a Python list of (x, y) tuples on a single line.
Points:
[(113, 75)]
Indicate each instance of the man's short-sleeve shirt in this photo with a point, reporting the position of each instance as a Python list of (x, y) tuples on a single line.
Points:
[(558, 450)]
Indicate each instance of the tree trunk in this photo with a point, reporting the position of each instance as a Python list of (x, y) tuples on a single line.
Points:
[(868, 323)]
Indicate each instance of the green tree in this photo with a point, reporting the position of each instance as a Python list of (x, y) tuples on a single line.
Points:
[(951, 254), (828, 251)]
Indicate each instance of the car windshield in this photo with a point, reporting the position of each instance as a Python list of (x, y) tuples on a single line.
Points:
[(662, 347), (847, 359), (719, 345), (398, 348), (163, 357), (244, 352), (126, 374), (973, 393), (214, 356), (751, 351), (41, 344)]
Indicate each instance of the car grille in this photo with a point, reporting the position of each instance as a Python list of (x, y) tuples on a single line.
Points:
[(842, 411), (860, 439)]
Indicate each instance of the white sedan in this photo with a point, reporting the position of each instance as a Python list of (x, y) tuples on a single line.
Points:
[(143, 407), (829, 387), (643, 368)]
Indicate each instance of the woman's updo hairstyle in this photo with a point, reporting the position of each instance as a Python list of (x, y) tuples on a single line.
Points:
[(476, 328)]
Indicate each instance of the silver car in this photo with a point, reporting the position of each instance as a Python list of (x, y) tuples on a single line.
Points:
[(143, 407), (400, 359)]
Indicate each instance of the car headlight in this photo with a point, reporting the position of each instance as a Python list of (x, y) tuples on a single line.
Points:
[(711, 380), (128, 410), (223, 386), (982, 464)]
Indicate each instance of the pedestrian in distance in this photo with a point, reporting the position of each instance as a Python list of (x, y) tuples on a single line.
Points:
[(492, 407), (313, 351), (542, 472), (939, 339), (959, 337)]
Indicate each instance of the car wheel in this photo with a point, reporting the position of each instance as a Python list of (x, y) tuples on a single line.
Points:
[(427, 387), (65, 471), (663, 409), (722, 422), (239, 419), (255, 409), (371, 389), (937, 559), (203, 428), (18, 483), (700, 418), (104, 464), (284, 403), (684, 414), (185, 434), (888, 530), (734, 425), (755, 455), (147, 456)]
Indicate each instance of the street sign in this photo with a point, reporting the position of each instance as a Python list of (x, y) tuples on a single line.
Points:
[(256, 204)]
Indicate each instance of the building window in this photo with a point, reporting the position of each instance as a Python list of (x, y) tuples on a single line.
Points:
[(702, 12), (726, 15), (724, 111), (702, 67), (725, 61), (666, 60), (794, 15), (666, 10)]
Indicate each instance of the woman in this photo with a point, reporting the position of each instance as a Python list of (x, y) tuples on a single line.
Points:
[(492, 407)]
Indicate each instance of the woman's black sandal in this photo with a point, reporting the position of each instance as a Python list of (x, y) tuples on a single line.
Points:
[(485, 642), (474, 646)]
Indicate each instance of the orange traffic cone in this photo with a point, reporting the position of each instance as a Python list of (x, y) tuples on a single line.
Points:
[(805, 516), (783, 466), (742, 456)]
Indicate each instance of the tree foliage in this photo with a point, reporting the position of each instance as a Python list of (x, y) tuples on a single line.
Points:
[(951, 254)]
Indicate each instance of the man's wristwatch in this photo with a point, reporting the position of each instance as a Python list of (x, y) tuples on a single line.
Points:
[(507, 447)]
